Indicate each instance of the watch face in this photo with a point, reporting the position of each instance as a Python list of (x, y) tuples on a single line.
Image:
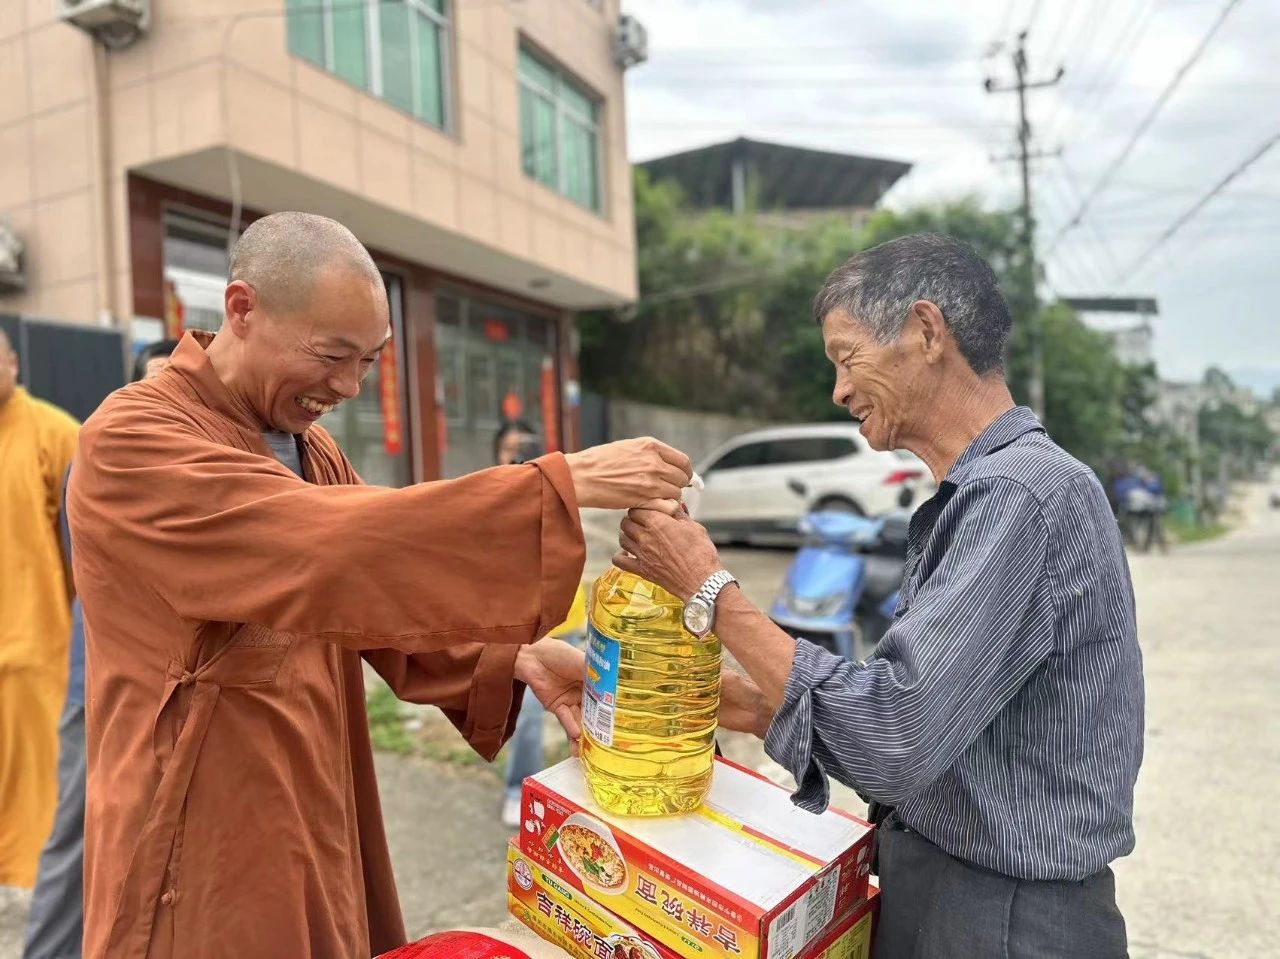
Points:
[(697, 617)]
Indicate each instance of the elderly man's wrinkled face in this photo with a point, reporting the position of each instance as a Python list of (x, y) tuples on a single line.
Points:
[(877, 383), (8, 370), (300, 364)]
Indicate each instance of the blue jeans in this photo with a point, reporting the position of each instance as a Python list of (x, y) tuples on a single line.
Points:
[(54, 927)]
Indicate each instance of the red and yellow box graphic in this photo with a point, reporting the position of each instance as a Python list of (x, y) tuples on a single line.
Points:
[(746, 875), (586, 930)]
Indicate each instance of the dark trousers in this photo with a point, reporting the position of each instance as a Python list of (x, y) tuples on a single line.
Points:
[(55, 926), (933, 906)]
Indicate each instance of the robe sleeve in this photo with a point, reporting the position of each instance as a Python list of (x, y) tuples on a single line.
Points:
[(225, 535), (474, 686)]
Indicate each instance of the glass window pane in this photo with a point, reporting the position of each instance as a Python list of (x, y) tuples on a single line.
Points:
[(537, 72), (528, 140), (397, 63), (577, 102), (578, 156), (349, 46), (544, 136), (430, 78), (752, 454), (306, 30)]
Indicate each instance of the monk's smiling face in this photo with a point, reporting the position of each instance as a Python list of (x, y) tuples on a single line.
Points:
[(300, 360)]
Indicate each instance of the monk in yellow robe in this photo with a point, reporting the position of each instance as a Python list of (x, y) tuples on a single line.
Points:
[(235, 575), (37, 441)]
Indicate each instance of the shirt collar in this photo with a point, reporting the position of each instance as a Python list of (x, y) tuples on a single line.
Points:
[(1007, 427)]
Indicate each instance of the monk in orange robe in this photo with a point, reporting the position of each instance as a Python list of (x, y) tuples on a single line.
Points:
[(232, 589)]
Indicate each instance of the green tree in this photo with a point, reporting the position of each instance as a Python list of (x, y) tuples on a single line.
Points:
[(724, 321)]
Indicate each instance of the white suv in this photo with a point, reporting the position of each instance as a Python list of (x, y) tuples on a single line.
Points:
[(760, 484)]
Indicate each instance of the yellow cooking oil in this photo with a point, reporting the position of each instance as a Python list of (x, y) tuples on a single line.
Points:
[(651, 700)]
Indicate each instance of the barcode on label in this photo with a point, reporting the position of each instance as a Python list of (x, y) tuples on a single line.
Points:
[(597, 718), (784, 932), (821, 904)]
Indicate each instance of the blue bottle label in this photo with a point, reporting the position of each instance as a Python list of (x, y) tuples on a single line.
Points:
[(600, 691)]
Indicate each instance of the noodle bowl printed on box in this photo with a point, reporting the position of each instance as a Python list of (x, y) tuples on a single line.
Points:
[(588, 848)]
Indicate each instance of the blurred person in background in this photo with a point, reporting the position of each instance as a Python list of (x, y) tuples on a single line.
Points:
[(55, 925), (37, 441)]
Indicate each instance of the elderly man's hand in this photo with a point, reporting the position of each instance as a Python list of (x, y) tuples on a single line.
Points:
[(668, 548), (627, 473)]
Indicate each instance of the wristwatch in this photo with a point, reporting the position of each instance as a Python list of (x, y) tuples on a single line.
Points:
[(700, 611)]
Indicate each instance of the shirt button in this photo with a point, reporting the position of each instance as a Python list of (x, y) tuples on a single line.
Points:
[(167, 898)]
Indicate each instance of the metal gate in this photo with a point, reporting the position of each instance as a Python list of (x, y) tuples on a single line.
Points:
[(72, 367)]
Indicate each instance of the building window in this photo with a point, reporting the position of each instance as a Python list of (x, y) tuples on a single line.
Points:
[(494, 364), (394, 49), (559, 131)]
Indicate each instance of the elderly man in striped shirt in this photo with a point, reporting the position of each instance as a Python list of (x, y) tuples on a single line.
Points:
[(997, 728)]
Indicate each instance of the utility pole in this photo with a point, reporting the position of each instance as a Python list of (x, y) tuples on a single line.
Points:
[(1024, 156)]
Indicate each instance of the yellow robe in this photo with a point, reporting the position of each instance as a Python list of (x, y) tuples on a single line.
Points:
[(37, 441)]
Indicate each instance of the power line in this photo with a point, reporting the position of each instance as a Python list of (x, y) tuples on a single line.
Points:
[(1196, 207), (1106, 80), (1073, 184), (1147, 120)]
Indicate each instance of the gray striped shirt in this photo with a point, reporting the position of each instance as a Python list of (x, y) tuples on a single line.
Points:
[(1002, 713)]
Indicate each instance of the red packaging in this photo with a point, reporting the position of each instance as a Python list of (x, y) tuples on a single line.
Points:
[(456, 945), (746, 875), (586, 930)]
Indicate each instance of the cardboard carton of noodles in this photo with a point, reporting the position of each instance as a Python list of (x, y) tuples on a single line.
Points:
[(746, 874)]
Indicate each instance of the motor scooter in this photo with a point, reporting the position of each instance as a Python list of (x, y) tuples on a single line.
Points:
[(841, 589)]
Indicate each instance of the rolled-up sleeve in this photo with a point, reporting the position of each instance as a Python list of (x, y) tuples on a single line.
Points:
[(975, 630)]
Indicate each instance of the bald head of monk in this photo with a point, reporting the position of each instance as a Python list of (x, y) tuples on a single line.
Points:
[(8, 369), (305, 317)]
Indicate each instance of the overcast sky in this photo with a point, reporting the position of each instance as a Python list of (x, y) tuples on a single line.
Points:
[(903, 79)]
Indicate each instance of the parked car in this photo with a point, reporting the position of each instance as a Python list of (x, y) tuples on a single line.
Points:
[(752, 481)]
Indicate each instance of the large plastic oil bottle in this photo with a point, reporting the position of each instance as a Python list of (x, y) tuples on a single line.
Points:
[(651, 700)]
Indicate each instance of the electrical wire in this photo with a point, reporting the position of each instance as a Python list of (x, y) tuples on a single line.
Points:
[(1148, 119), (1200, 204)]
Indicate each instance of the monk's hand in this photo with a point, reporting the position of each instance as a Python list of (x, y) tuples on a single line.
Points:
[(627, 473), (553, 670), (668, 548), (743, 707)]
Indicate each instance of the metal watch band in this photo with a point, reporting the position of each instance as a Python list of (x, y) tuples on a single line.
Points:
[(709, 591)]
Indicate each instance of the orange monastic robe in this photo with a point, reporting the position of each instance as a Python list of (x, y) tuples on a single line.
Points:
[(232, 806)]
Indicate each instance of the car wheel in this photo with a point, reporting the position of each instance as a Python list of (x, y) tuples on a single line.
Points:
[(838, 504)]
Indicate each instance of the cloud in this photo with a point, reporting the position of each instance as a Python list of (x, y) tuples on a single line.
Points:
[(904, 80)]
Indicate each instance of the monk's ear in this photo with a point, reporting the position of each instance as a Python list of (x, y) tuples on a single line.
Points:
[(239, 300)]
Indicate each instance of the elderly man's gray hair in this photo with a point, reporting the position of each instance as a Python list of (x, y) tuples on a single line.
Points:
[(282, 255), (877, 287)]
